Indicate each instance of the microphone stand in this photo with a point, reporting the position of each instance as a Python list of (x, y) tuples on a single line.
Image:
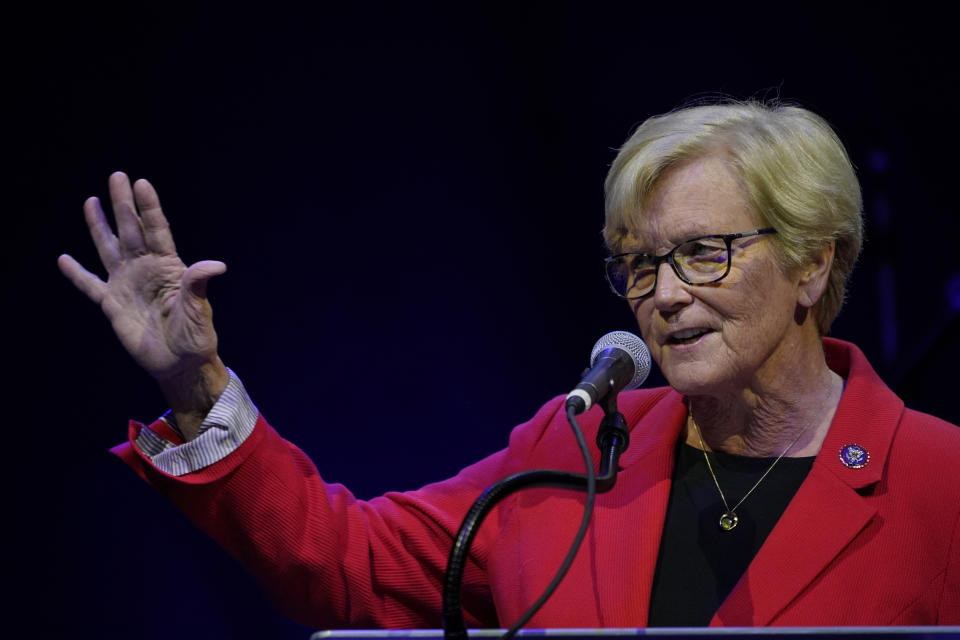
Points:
[(612, 440)]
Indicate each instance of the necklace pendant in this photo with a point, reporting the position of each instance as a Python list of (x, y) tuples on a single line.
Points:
[(728, 521)]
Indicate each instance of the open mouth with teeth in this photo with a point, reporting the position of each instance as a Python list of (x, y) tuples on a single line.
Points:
[(687, 336)]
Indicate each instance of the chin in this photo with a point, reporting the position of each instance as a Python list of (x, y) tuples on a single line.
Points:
[(693, 380)]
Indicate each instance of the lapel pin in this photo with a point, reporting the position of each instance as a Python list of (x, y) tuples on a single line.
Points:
[(854, 456)]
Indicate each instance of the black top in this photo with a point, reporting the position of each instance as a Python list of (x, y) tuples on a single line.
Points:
[(699, 563)]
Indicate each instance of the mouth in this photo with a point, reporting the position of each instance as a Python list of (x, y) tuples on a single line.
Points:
[(687, 336)]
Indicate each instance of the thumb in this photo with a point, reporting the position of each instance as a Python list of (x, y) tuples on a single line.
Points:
[(197, 275)]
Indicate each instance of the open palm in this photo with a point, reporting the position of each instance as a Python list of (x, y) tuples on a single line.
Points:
[(156, 304)]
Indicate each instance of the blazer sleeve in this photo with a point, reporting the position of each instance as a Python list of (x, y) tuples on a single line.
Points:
[(327, 559), (949, 613)]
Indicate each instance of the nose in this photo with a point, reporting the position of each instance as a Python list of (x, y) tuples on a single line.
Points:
[(670, 293)]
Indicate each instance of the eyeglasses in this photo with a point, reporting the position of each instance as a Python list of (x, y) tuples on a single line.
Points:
[(697, 261)]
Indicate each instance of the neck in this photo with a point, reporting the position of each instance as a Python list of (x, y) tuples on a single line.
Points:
[(765, 418)]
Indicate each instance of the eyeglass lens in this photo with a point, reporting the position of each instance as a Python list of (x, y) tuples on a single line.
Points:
[(697, 262)]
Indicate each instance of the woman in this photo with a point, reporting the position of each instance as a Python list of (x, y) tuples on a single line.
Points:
[(778, 482)]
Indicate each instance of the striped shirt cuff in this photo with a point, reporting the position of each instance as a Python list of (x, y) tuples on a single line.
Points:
[(229, 423)]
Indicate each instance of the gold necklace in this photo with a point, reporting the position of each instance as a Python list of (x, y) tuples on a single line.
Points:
[(729, 519)]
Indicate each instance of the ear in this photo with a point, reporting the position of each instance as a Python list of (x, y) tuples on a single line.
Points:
[(814, 274)]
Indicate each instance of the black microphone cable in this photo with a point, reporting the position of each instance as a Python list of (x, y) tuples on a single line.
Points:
[(600, 386), (612, 438), (581, 533)]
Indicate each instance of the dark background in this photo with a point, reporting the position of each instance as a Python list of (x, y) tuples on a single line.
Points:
[(409, 200)]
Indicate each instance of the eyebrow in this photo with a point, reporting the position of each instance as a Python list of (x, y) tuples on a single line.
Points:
[(635, 247)]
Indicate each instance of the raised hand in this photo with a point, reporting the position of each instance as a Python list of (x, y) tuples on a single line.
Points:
[(155, 303)]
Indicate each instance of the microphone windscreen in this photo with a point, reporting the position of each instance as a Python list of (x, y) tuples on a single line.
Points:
[(633, 346)]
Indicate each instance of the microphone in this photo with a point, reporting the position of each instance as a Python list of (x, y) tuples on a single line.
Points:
[(619, 362)]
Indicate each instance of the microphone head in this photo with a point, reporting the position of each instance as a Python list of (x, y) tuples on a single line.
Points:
[(633, 346)]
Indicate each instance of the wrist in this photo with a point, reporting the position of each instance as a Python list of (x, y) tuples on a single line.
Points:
[(191, 394)]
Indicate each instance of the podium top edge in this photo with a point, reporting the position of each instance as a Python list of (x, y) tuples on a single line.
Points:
[(671, 632)]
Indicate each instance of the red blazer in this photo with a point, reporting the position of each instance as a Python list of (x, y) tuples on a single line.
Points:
[(878, 545)]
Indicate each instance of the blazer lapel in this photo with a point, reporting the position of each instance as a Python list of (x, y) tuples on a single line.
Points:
[(822, 519), (631, 515), (828, 510)]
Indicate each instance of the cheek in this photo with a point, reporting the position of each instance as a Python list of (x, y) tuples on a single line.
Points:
[(754, 297), (643, 311), (758, 319)]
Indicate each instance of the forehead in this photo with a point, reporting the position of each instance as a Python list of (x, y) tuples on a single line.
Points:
[(700, 197)]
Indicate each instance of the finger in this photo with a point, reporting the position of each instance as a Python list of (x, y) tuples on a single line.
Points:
[(129, 228), (195, 278), (103, 239), (156, 229), (82, 279)]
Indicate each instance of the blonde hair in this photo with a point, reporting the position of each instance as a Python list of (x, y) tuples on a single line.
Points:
[(793, 169)]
